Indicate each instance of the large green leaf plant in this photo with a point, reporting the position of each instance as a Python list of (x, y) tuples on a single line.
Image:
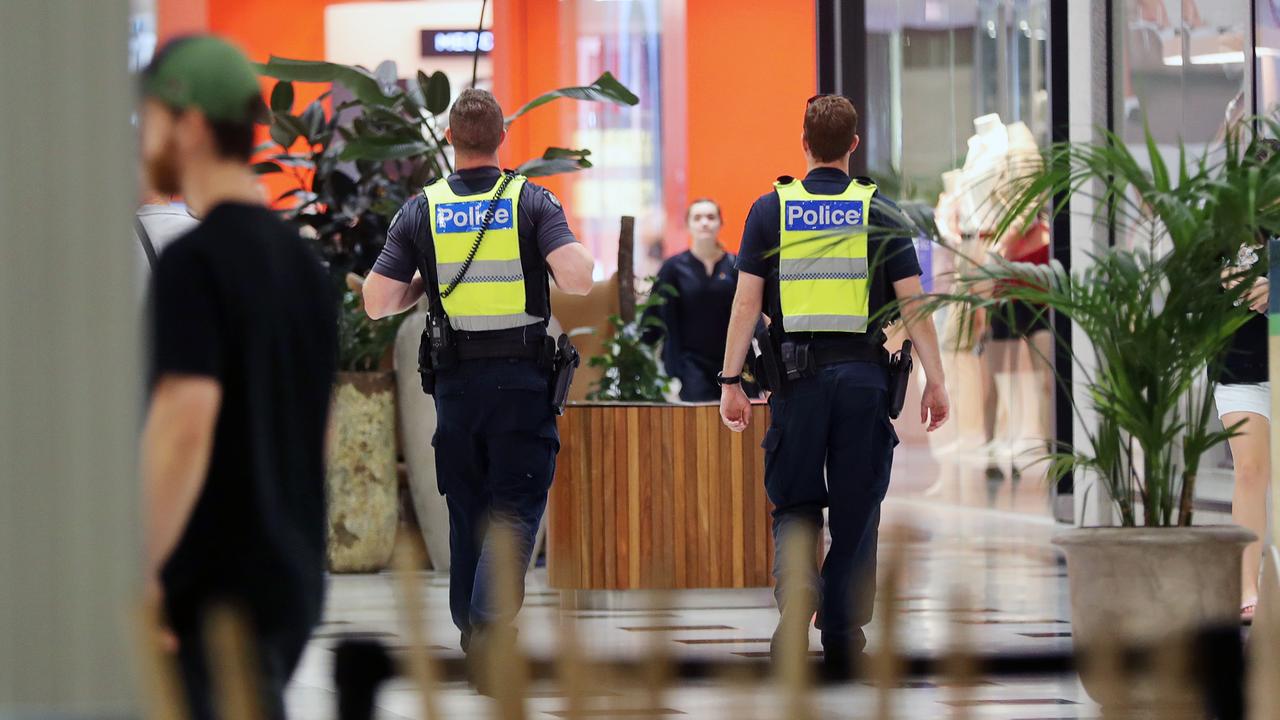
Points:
[(1154, 308), (356, 164)]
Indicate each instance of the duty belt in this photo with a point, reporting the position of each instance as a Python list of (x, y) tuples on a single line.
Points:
[(542, 350), (836, 353), (802, 359)]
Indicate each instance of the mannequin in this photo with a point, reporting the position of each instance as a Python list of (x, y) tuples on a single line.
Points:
[(1007, 412)]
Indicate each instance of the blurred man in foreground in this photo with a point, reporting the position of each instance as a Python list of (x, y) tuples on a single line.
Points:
[(243, 353)]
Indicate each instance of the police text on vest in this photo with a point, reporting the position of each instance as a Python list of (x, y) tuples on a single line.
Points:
[(822, 214), (461, 217)]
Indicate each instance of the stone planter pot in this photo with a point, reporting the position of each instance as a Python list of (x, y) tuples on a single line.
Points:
[(361, 477), (1141, 586)]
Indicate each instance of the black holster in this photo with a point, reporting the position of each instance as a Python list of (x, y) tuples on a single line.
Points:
[(426, 372), (899, 375), (765, 361), (438, 350), (563, 368)]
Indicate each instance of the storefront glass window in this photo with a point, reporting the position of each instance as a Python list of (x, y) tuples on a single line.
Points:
[(957, 101), (1267, 83), (1182, 71), (626, 143), (933, 67)]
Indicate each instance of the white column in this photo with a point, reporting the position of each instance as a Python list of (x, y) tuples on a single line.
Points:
[(69, 360), (1087, 80)]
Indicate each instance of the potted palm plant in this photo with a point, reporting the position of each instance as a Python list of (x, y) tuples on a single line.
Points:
[(1158, 319)]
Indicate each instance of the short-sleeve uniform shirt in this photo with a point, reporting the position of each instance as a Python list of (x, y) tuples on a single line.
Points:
[(891, 255), (541, 221)]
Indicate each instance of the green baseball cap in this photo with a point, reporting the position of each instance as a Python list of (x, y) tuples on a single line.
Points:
[(205, 73)]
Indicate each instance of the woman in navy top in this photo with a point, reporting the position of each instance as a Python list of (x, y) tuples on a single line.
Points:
[(696, 317)]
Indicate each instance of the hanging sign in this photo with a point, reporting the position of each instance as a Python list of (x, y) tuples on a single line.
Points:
[(456, 42)]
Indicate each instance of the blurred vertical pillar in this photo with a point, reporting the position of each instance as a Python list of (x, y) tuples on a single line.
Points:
[(69, 370), (1090, 92)]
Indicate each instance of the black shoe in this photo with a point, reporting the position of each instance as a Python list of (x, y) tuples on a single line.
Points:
[(840, 654)]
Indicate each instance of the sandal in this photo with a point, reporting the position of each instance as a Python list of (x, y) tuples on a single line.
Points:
[(1246, 613)]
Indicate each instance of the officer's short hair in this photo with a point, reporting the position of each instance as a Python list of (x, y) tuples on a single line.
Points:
[(830, 125), (476, 122)]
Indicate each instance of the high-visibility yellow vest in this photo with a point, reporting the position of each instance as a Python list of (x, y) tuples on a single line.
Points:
[(823, 281), (492, 294)]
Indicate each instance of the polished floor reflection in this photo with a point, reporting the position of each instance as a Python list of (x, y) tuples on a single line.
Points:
[(979, 568)]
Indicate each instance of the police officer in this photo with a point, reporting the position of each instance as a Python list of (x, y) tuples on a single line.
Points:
[(479, 244), (823, 296)]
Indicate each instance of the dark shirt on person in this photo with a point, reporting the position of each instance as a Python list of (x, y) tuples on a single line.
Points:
[(695, 319), (1245, 360), (890, 256), (244, 300), (541, 221)]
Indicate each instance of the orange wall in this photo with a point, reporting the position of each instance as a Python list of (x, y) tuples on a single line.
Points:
[(731, 117), (531, 55), (731, 126), (181, 17), (285, 28), (752, 64)]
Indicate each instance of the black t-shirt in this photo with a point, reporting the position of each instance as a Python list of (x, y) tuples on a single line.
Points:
[(244, 300), (697, 317), (1246, 358), (889, 258)]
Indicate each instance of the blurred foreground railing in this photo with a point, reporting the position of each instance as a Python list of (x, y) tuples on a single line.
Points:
[(1202, 674), (1217, 672)]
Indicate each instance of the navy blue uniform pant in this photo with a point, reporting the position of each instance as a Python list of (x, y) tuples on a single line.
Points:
[(496, 445), (830, 445)]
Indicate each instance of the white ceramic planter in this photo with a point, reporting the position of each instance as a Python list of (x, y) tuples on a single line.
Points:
[(361, 483), (418, 424), (1140, 586)]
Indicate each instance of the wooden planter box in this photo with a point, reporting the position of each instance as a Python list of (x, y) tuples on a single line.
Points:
[(651, 496)]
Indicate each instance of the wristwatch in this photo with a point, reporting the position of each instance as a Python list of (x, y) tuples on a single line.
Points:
[(731, 380)]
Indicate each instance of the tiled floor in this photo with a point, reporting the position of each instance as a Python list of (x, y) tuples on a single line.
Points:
[(978, 565)]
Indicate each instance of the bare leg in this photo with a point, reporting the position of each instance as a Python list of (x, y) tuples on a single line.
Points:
[(1042, 365), (1002, 358), (1250, 453)]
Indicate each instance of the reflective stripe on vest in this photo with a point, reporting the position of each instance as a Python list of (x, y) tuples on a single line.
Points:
[(492, 294), (823, 282)]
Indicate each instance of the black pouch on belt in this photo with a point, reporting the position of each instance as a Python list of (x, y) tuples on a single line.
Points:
[(438, 350), (566, 364), (425, 372), (899, 376), (798, 360)]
